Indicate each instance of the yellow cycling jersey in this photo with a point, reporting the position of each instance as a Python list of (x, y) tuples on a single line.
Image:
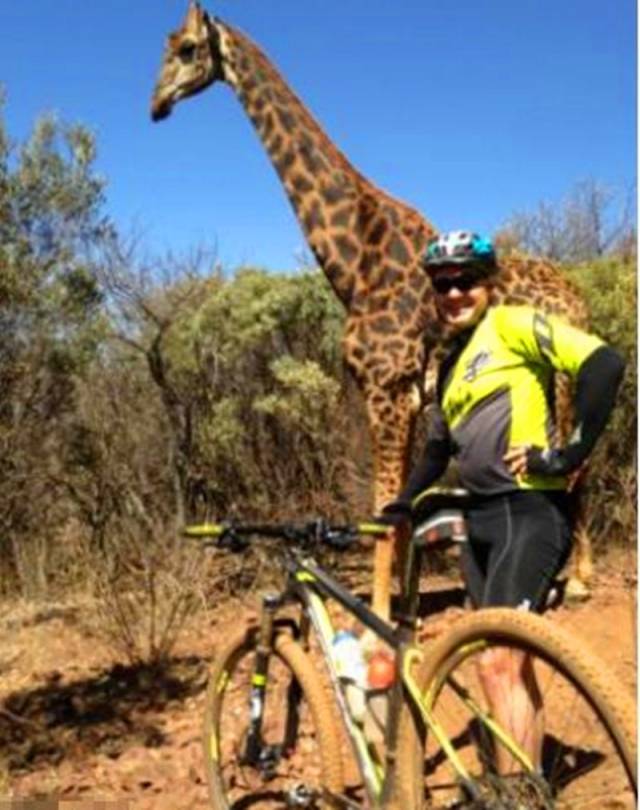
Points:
[(500, 390)]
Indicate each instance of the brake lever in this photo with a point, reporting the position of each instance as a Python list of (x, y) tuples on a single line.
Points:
[(230, 540), (340, 539)]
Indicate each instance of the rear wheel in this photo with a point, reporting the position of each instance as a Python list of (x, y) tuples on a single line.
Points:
[(299, 763), (585, 719)]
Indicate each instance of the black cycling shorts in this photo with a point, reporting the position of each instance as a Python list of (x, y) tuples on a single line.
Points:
[(518, 542)]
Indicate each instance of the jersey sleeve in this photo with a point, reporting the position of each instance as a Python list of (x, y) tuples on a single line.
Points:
[(544, 338)]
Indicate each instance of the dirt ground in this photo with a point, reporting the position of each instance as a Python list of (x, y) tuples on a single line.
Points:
[(81, 728)]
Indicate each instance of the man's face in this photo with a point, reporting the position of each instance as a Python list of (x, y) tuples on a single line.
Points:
[(461, 298)]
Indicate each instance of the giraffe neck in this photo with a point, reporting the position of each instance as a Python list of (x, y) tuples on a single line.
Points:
[(341, 213)]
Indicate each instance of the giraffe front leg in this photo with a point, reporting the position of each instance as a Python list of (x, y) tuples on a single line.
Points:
[(391, 421)]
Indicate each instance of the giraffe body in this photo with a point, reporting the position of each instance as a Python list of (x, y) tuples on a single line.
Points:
[(368, 244)]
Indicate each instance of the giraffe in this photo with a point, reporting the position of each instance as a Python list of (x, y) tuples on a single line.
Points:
[(368, 244)]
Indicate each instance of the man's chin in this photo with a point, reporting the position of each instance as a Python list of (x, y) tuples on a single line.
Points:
[(462, 320)]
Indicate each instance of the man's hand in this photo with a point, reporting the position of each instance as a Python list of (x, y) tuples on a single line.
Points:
[(516, 459), (531, 460)]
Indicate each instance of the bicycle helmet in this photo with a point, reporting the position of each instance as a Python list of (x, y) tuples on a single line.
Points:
[(461, 249)]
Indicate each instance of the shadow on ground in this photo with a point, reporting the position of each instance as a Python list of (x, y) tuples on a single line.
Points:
[(106, 714)]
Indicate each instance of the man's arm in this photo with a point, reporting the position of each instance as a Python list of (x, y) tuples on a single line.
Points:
[(597, 383), (433, 462)]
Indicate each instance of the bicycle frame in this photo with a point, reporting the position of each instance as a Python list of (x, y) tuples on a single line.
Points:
[(310, 586)]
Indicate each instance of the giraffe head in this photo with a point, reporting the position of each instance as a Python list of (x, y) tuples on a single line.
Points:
[(191, 62)]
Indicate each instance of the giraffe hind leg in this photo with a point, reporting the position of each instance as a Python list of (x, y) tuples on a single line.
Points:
[(580, 565)]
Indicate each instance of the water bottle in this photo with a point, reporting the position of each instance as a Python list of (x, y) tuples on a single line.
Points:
[(380, 677), (352, 671)]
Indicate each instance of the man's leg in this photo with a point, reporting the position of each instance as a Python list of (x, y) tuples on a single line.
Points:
[(515, 702), (531, 538)]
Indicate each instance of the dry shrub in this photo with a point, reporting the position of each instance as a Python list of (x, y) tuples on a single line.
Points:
[(146, 587)]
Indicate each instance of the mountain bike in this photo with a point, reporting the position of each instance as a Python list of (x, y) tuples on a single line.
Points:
[(278, 713)]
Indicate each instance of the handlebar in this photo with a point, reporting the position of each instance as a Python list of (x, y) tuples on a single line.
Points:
[(235, 536)]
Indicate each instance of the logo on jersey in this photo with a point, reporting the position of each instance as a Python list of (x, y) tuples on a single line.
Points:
[(473, 366)]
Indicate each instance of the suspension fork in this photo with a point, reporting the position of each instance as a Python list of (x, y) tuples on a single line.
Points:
[(264, 649)]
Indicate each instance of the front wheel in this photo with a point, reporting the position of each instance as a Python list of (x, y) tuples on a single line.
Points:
[(297, 762), (582, 723)]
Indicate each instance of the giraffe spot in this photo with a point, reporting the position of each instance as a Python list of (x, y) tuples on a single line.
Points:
[(257, 118), (397, 250), (359, 299), (284, 163), (384, 325), (378, 232), (335, 272), (267, 127), (389, 276), (405, 305), (249, 85), (287, 120), (311, 164), (395, 345), (381, 300), (280, 97), (341, 218), (347, 249), (369, 259), (301, 183), (366, 212), (258, 104), (418, 242), (313, 218), (310, 156), (275, 145), (391, 213), (418, 281), (333, 194), (359, 333), (378, 399)]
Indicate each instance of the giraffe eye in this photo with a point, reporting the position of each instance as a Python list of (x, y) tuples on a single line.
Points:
[(187, 52)]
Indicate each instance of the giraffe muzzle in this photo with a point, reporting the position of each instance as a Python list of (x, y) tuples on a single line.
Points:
[(160, 109)]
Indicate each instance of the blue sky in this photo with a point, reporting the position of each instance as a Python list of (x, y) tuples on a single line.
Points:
[(467, 109)]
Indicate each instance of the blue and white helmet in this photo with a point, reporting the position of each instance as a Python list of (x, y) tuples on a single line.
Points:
[(461, 248)]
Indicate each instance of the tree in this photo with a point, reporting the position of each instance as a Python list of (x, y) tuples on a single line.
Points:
[(591, 222), (50, 325)]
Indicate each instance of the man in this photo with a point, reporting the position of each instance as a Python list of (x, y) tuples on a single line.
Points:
[(494, 415)]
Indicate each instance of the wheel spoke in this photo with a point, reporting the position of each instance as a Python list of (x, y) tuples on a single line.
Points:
[(285, 776), (497, 680)]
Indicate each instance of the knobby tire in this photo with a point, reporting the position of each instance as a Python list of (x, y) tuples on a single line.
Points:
[(589, 750), (314, 762)]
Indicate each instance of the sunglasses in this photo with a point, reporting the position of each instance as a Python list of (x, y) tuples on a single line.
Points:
[(462, 283)]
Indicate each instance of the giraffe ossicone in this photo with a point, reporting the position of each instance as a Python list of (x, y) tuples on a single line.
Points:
[(368, 244)]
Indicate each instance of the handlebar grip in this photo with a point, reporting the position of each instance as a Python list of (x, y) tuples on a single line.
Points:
[(374, 529), (205, 530)]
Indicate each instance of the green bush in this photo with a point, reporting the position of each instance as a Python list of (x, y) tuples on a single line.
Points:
[(609, 287)]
